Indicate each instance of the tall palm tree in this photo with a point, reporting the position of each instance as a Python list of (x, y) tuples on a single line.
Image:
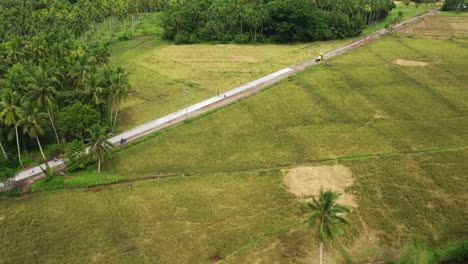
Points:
[(119, 89), (43, 92), (93, 88), (327, 217), (33, 122), (98, 146), (11, 113)]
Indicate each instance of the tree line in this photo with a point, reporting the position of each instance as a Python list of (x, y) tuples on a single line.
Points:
[(53, 87), (455, 5), (190, 21)]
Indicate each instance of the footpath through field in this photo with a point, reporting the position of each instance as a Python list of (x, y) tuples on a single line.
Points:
[(209, 104)]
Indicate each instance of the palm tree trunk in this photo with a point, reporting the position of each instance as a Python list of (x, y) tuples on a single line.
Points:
[(40, 147), (3, 151), (110, 110), (115, 118), (321, 252), (18, 145), (99, 165), (53, 126)]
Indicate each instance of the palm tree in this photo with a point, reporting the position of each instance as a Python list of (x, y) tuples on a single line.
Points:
[(32, 122), (14, 79), (98, 146), (43, 92), (15, 52), (118, 91), (93, 87), (10, 107), (1, 145), (49, 172), (327, 217)]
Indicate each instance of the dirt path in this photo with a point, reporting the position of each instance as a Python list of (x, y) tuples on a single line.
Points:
[(215, 102)]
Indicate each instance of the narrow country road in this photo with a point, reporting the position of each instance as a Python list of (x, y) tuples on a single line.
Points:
[(223, 99)]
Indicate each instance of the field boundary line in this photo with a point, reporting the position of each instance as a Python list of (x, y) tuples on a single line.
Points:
[(274, 167), (221, 100)]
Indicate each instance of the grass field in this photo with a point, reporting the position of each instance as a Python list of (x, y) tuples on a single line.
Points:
[(442, 26), (159, 71), (358, 104), (407, 12), (238, 217), (183, 220)]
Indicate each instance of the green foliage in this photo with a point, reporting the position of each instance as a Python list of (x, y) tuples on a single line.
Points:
[(76, 158), (49, 172), (75, 119), (245, 21), (327, 216), (11, 193), (98, 145), (78, 180), (455, 5), (7, 169), (419, 252), (45, 68)]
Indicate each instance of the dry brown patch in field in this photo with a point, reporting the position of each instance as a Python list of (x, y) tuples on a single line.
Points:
[(305, 182), (402, 62), (1, 218), (244, 58)]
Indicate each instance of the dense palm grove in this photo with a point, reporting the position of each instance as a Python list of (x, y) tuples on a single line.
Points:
[(271, 20)]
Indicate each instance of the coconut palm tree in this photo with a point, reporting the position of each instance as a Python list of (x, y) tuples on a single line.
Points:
[(98, 146), (119, 89), (14, 79), (93, 88), (32, 122), (49, 172), (11, 113), (43, 93), (327, 218)]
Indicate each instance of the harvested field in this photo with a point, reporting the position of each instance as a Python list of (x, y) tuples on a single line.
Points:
[(306, 182), (442, 27), (409, 63)]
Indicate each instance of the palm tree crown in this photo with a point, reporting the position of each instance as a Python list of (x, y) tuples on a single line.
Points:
[(32, 122), (98, 145), (327, 218)]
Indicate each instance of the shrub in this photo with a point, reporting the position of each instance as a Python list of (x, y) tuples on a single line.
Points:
[(76, 158)]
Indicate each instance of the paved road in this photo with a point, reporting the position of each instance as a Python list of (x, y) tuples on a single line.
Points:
[(223, 99)]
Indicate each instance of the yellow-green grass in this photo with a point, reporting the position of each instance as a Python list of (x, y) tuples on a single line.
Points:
[(452, 13), (159, 71), (400, 199), (182, 220), (407, 10), (239, 217), (358, 104)]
